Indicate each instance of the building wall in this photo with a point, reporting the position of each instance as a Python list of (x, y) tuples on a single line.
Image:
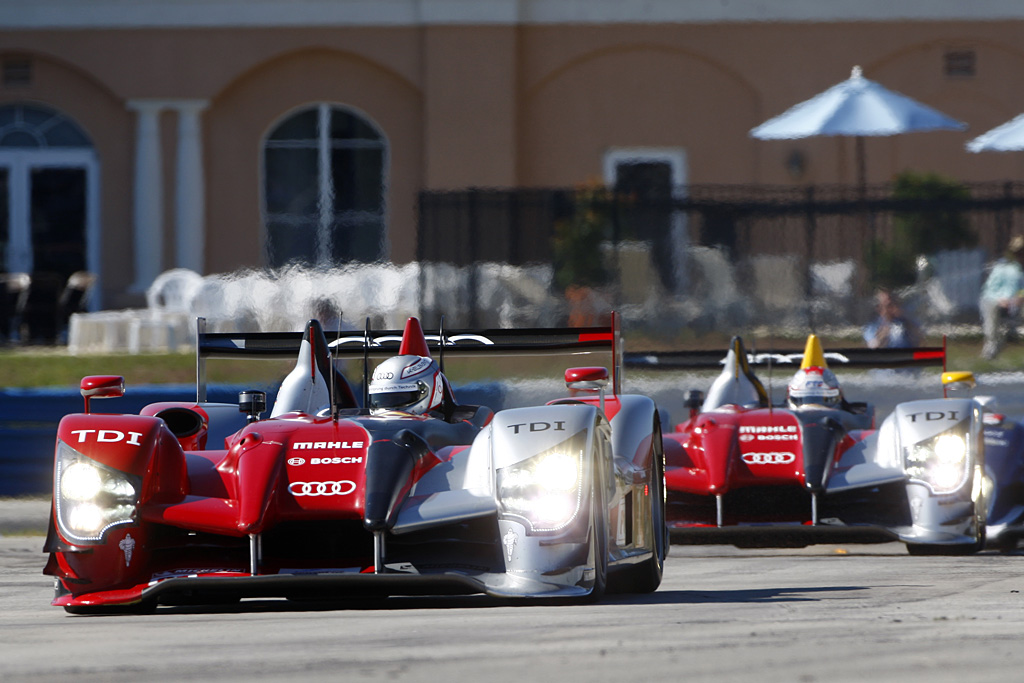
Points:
[(523, 96), (241, 115)]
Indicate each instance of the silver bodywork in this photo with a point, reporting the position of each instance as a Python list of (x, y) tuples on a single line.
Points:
[(563, 561), (951, 516)]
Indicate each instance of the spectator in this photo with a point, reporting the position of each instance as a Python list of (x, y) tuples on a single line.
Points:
[(891, 328), (1001, 298), (329, 315)]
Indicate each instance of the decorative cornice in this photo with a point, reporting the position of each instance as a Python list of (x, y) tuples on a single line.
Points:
[(91, 14)]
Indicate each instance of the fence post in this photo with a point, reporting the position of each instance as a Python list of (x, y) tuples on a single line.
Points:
[(472, 283), (810, 228), (1006, 224), (421, 248)]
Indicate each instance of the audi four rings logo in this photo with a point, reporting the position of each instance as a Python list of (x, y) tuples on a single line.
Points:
[(321, 488), (768, 458)]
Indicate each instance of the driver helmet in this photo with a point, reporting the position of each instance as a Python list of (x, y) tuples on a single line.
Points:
[(409, 384), (814, 386)]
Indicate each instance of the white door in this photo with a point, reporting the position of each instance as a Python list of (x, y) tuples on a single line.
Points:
[(656, 177), (52, 210)]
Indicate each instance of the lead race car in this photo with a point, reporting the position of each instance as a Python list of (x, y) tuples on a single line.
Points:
[(741, 470), (209, 502)]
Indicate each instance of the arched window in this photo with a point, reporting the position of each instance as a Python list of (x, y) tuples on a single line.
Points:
[(32, 126), (323, 192)]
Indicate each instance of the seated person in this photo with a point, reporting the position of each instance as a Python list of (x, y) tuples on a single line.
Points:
[(407, 384), (1001, 298), (817, 388), (414, 385), (814, 387), (891, 328)]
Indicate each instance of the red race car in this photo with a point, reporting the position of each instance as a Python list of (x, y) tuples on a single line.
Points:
[(818, 469), (404, 492)]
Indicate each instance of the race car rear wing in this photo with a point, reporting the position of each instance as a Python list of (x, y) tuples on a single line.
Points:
[(923, 356), (385, 343)]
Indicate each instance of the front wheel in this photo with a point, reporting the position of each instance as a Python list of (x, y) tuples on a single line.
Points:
[(598, 555), (646, 576)]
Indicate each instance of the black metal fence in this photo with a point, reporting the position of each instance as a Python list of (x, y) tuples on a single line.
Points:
[(713, 256)]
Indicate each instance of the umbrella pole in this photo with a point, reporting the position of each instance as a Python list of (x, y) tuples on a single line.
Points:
[(862, 188), (862, 174)]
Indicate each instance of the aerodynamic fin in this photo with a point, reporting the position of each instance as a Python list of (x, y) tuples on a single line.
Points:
[(414, 342), (737, 384), (305, 389), (814, 355)]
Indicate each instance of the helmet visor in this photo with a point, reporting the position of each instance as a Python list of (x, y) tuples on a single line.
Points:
[(398, 396), (807, 399)]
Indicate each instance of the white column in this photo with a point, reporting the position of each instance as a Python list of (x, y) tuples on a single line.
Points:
[(19, 246), (148, 200), (189, 191), (326, 203)]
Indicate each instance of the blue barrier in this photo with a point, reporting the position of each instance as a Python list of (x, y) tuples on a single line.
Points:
[(29, 419)]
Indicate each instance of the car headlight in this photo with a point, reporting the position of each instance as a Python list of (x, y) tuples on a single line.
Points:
[(941, 462), (545, 490), (90, 498)]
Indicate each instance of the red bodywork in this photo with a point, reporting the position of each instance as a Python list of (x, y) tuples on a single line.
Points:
[(234, 492), (755, 455), (716, 452)]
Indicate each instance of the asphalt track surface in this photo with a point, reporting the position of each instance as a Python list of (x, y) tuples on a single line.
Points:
[(823, 613)]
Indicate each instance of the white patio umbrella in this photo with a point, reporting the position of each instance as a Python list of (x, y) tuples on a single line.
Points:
[(1009, 137), (857, 108)]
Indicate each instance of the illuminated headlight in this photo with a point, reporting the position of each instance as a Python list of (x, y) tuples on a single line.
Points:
[(941, 461), (545, 491), (90, 498)]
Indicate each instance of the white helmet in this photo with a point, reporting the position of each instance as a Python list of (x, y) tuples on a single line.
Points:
[(814, 386), (410, 384)]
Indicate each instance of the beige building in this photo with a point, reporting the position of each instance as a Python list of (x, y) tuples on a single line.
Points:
[(220, 134)]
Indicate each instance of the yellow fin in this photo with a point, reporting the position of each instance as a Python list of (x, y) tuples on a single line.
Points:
[(814, 356), (954, 377)]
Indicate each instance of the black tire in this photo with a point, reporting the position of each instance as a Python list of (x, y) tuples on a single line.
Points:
[(646, 576), (597, 556)]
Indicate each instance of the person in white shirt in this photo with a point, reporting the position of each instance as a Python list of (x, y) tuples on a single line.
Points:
[(1001, 297)]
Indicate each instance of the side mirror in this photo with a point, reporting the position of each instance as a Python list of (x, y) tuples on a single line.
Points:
[(587, 379), (252, 403), (694, 400), (101, 386), (957, 381)]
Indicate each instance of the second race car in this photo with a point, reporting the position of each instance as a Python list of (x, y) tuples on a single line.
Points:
[(817, 469)]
